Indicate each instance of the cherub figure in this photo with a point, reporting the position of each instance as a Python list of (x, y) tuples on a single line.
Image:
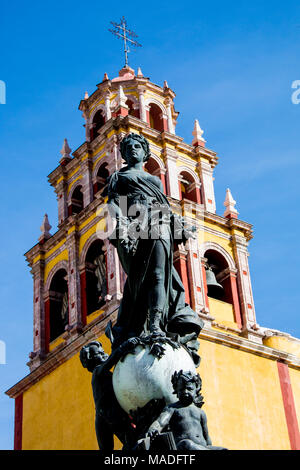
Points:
[(110, 417), (185, 418)]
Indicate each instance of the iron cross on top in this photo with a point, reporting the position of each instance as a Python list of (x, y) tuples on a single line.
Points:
[(126, 34)]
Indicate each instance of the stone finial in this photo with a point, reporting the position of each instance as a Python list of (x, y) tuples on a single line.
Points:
[(86, 95), (139, 72), (166, 84), (197, 133), (45, 229), (229, 203), (105, 78), (65, 151), (121, 98)]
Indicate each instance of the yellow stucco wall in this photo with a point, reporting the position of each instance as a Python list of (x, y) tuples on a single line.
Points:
[(242, 396), (243, 399)]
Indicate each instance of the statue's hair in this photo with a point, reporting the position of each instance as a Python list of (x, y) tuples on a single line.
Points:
[(84, 353), (141, 139), (189, 377)]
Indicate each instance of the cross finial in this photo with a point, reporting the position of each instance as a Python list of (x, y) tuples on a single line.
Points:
[(126, 34)]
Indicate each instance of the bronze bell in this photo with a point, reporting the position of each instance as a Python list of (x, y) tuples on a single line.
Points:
[(214, 289)]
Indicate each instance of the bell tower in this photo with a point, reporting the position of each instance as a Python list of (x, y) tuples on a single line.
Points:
[(78, 280)]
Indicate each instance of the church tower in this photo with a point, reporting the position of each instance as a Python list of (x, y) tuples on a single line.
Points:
[(250, 374)]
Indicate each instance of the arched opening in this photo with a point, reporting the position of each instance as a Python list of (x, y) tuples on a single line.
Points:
[(59, 304), (152, 167), (95, 277), (98, 122), (188, 189), (216, 267), (131, 109), (101, 178), (155, 117), (76, 204)]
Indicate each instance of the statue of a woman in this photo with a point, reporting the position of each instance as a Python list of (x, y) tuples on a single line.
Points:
[(154, 298)]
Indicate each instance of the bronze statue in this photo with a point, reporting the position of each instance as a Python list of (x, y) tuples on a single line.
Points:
[(154, 298), (185, 418), (110, 418)]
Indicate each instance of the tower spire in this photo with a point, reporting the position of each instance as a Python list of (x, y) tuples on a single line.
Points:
[(229, 203)]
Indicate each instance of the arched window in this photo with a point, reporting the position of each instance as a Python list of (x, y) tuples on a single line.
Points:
[(131, 110), (152, 167), (101, 178), (95, 275), (155, 117), (217, 274), (98, 122), (188, 189), (59, 304), (76, 204)]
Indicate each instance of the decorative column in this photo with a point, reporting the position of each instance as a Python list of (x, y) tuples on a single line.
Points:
[(143, 115), (228, 279), (195, 276), (172, 173), (244, 288), (39, 325), (171, 127), (207, 180), (114, 288), (61, 191), (180, 263), (107, 106), (87, 183), (75, 318)]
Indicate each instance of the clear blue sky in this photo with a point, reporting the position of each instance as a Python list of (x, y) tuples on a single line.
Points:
[(231, 65)]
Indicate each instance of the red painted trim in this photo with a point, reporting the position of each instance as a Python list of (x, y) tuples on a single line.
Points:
[(163, 180), (18, 422), (205, 286), (181, 267), (198, 196), (235, 301), (148, 117), (165, 125), (289, 405)]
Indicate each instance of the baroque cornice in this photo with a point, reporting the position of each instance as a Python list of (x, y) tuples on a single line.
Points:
[(95, 329)]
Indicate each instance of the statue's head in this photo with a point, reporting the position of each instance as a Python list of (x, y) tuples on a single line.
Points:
[(187, 386), (92, 355), (135, 148)]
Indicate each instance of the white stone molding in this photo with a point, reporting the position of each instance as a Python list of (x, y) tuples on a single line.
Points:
[(205, 246), (171, 125), (244, 281), (142, 105), (195, 275), (208, 192), (107, 105), (172, 174)]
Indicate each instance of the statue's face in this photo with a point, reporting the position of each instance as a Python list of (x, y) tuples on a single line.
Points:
[(186, 392), (97, 355), (134, 152)]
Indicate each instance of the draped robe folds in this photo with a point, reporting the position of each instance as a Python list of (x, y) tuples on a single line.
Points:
[(178, 319)]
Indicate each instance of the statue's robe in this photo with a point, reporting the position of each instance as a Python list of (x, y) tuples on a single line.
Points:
[(178, 318)]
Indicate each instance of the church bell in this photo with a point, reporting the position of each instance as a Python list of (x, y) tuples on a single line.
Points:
[(214, 289)]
